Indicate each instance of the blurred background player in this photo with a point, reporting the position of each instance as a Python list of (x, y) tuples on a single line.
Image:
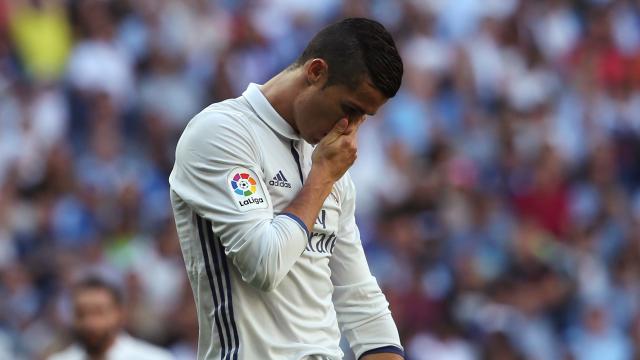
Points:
[(98, 320)]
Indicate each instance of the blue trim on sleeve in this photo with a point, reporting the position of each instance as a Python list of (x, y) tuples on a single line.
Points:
[(384, 349), (298, 220)]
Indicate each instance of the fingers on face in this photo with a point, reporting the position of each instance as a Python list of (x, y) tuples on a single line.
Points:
[(354, 125), (350, 147), (341, 128)]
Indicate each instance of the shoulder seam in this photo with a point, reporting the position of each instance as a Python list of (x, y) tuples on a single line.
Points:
[(244, 121)]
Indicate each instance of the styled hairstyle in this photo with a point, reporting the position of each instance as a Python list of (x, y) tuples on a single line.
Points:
[(98, 283), (354, 49)]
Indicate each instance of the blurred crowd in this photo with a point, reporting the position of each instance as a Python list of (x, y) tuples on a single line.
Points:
[(498, 192)]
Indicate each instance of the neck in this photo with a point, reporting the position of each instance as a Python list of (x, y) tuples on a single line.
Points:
[(281, 90)]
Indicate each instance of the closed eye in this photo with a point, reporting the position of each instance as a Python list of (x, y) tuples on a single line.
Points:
[(350, 112)]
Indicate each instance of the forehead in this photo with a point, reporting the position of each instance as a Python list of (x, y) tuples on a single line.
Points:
[(365, 97), (93, 297)]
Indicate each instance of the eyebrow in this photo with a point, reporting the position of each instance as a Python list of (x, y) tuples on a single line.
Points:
[(357, 108)]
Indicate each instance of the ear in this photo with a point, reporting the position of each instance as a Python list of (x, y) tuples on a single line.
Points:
[(316, 71)]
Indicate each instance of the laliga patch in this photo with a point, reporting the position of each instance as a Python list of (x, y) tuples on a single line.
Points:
[(247, 190)]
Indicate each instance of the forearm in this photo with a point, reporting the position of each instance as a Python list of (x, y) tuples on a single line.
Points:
[(331, 158), (273, 247), (365, 319), (307, 204), (265, 255)]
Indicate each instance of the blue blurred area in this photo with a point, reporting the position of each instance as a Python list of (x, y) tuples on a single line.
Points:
[(498, 192)]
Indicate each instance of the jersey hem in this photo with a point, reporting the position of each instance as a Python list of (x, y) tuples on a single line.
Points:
[(384, 349)]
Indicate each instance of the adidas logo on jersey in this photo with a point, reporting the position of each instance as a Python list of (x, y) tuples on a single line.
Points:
[(280, 180)]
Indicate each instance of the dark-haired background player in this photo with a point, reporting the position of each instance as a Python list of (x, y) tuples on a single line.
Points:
[(98, 320)]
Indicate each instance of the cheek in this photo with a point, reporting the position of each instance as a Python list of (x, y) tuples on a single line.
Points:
[(310, 117), (325, 117), (320, 124), (316, 115)]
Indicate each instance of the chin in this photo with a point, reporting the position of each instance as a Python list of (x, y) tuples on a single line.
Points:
[(95, 344), (312, 141)]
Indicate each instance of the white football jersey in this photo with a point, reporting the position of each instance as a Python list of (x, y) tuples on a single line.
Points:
[(124, 348), (265, 287)]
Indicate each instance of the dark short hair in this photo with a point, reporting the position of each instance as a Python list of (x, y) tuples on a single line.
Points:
[(354, 48), (97, 283)]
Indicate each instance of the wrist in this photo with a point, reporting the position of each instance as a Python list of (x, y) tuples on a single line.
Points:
[(308, 202), (321, 173)]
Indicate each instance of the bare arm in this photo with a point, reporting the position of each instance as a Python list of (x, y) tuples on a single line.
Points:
[(333, 156)]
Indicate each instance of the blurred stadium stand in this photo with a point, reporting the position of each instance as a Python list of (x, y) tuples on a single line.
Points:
[(498, 193)]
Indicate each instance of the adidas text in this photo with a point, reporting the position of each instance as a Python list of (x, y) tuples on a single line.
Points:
[(280, 183), (280, 180)]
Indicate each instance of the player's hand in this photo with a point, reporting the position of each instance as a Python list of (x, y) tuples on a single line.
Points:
[(337, 151)]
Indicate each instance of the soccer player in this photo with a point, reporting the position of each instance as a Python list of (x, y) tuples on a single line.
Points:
[(98, 321), (264, 207)]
